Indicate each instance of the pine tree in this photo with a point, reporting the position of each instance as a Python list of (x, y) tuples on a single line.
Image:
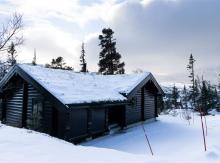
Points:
[(11, 55), (109, 62), (175, 96), (190, 67), (58, 63), (82, 60), (34, 62)]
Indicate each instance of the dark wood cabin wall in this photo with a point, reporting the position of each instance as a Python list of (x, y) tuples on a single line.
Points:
[(137, 107), (47, 114), (14, 110), (78, 124), (133, 110), (47, 110), (32, 94), (149, 105), (62, 125), (14, 107), (86, 122), (47, 117)]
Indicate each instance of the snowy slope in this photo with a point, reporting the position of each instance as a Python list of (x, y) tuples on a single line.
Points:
[(71, 87), (172, 140)]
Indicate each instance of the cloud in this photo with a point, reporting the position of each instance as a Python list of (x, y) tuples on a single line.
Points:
[(161, 35), (50, 42), (74, 11), (154, 35)]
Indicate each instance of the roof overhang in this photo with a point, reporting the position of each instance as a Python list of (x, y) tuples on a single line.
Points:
[(150, 77), (16, 70), (97, 104)]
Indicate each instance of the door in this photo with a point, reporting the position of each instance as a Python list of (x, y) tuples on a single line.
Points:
[(55, 122), (97, 120), (116, 115), (37, 114)]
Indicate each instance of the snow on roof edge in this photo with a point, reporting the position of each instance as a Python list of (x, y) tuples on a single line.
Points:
[(113, 96)]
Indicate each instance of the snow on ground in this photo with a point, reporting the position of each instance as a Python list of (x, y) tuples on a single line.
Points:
[(173, 141), (23, 146)]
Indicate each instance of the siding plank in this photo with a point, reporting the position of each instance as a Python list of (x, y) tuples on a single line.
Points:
[(14, 108)]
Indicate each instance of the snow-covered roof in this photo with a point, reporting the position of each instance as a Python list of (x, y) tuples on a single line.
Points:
[(75, 88)]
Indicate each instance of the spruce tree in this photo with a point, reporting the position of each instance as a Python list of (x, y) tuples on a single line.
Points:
[(190, 67), (215, 98), (82, 60), (204, 98), (196, 94), (210, 96), (109, 58), (175, 96)]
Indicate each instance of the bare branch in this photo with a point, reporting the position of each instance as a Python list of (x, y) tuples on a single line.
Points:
[(10, 32)]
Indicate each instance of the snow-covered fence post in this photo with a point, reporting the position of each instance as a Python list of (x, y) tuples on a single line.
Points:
[(203, 132), (148, 142)]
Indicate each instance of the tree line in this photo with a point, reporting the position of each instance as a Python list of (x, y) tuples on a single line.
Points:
[(200, 96)]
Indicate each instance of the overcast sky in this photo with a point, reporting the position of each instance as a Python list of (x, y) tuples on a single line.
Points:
[(153, 35)]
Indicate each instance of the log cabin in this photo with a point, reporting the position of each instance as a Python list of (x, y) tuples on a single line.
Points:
[(74, 106)]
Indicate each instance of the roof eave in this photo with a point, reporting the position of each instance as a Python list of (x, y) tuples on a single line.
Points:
[(94, 104), (143, 82), (18, 70)]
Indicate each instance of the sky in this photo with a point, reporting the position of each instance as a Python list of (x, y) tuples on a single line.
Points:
[(152, 35)]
